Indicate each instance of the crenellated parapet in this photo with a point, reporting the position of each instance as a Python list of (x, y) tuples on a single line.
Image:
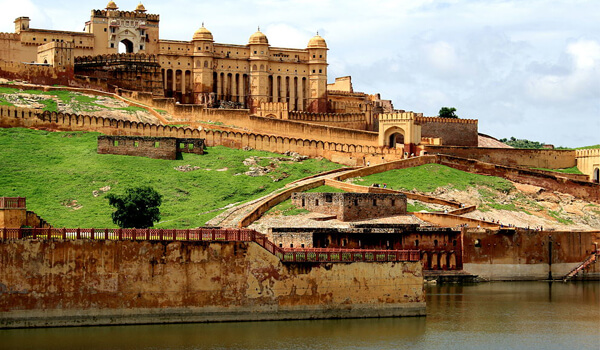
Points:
[(588, 162), (277, 110), (422, 119), (109, 59), (400, 116), (594, 152), (125, 14), (9, 36), (327, 117)]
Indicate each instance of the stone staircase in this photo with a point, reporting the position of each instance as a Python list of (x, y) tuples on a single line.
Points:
[(587, 262)]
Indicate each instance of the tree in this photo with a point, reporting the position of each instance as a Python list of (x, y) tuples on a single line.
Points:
[(137, 208), (448, 112), (522, 143)]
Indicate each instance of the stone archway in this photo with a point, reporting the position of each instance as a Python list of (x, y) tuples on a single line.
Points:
[(425, 261), (400, 128), (596, 175), (394, 136), (126, 46), (452, 263)]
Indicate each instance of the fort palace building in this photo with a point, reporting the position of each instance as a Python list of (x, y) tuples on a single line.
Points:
[(257, 88), (196, 71)]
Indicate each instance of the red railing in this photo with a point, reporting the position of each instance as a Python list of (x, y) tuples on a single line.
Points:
[(223, 235), (12, 203)]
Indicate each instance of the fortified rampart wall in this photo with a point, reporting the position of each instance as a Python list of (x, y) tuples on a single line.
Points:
[(588, 162), (533, 158), (337, 132), (585, 190), (527, 254), (456, 132), (38, 74), (356, 121), (139, 72), (45, 283), (348, 154)]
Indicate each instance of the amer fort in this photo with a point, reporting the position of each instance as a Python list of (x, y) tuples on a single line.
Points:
[(362, 253)]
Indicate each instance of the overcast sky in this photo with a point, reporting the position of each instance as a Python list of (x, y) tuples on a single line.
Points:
[(524, 68)]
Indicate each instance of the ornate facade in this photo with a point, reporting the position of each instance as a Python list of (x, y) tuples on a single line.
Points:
[(199, 71)]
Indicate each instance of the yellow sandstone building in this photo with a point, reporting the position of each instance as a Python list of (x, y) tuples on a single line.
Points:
[(199, 71)]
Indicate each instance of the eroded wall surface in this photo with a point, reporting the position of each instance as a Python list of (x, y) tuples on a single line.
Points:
[(66, 283), (528, 254)]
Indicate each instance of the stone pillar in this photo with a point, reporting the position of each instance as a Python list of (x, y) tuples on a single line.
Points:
[(284, 89), (219, 86), (293, 87), (182, 83), (234, 87)]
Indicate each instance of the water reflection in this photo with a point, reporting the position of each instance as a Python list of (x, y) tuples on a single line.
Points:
[(532, 315)]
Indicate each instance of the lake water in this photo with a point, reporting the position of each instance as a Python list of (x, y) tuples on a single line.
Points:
[(523, 315)]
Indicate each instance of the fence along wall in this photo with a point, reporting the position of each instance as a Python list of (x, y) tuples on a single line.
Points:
[(348, 154)]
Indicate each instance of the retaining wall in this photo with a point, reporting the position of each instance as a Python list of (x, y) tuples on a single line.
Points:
[(456, 132), (532, 158), (348, 154), (83, 282), (527, 254), (580, 189)]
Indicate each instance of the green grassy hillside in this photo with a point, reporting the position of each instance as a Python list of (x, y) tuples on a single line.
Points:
[(58, 172), (427, 178)]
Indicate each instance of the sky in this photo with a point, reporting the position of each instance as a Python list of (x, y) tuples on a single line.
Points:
[(524, 68)]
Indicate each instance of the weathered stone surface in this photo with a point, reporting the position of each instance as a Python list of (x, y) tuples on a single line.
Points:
[(65, 283)]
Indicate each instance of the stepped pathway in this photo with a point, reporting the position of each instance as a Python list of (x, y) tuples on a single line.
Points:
[(233, 217)]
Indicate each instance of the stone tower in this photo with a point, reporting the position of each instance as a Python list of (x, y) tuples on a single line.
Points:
[(259, 63), (136, 30), (317, 64), (203, 70)]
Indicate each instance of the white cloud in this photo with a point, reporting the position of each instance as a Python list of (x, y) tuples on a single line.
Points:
[(582, 77)]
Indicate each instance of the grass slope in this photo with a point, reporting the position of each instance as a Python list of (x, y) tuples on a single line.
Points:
[(78, 102), (54, 169), (427, 178)]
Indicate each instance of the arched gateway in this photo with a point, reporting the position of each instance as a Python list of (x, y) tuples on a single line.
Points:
[(400, 130)]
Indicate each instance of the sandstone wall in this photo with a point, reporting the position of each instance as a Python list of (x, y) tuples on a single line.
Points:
[(151, 147), (357, 121), (352, 206), (70, 283), (533, 158), (580, 189), (337, 128), (348, 154), (525, 254), (454, 132), (37, 74), (588, 162)]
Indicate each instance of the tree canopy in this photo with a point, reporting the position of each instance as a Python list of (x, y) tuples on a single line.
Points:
[(448, 112), (137, 208), (522, 143)]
